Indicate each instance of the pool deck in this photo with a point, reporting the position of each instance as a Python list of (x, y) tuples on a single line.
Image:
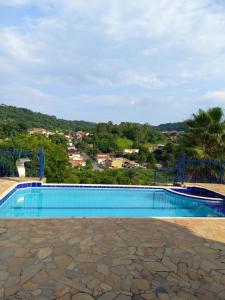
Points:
[(109, 258), (123, 259)]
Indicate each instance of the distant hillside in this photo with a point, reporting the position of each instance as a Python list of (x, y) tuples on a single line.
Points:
[(34, 119), (177, 126)]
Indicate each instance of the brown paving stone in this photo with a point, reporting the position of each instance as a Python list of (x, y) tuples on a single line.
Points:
[(36, 292), (61, 290), (93, 283), (30, 286), (4, 275), (44, 252), (155, 266), (75, 284), (117, 257), (62, 261), (65, 297), (108, 296), (123, 297), (104, 269), (149, 296), (141, 284), (29, 272), (12, 280), (11, 291), (82, 296), (40, 277), (168, 263)]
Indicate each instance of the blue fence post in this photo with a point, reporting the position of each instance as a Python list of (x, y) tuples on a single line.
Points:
[(176, 175), (222, 171), (42, 163), (155, 176)]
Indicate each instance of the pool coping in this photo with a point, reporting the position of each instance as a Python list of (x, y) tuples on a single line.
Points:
[(195, 196), (35, 183)]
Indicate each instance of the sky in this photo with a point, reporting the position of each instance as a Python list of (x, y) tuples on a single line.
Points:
[(119, 60)]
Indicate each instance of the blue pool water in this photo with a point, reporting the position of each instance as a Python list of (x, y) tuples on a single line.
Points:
[(108, 202)]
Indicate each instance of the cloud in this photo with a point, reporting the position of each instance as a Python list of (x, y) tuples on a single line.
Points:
[(19, 47), (215, 97), (146, 80), (13, 2), (110, 54)]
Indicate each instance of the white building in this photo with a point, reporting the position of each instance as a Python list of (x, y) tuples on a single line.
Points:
[(130, 151)]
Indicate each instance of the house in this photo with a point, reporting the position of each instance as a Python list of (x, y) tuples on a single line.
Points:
[(77, 163), (69, 140), (117, 163), (48, 133), (102, 157), (152, 148), (71, 150), (158, 166), (130, 151), (80, 135), (76, 159), (160, 147), (130, 164), (40, 131), (76, 156)]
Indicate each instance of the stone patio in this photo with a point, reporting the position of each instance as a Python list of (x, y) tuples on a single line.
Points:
[(84, 259)]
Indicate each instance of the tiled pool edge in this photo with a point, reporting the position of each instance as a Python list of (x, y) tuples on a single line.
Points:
[(5, 195), (18, 185), (205, 199)]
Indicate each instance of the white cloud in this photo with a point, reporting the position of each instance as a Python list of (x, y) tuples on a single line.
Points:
[(13, 2), (146, 80), (215, 97), (95, 52), (19, 47), (110, 100)]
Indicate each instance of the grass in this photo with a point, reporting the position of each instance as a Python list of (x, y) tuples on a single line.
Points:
[(124, 143), (147, 145)]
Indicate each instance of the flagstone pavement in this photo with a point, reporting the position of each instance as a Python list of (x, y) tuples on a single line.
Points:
[(106, 259)]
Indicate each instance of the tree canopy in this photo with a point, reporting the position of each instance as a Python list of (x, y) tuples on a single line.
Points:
[(206, 134)]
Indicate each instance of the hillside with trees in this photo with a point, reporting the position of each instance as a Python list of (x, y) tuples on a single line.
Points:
[(27, 118), (204, 138), (177, 126)]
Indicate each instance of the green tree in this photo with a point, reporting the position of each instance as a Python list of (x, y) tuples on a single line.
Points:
[(132, 175), (59, 139), (206, 134), (57, 168)]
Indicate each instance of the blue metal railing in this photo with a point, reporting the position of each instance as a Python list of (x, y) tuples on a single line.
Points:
[(195, 170), (8, 160)]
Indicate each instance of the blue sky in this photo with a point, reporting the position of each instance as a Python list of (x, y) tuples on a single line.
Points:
[(120, 60)]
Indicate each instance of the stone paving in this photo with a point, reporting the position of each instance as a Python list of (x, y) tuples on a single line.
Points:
[(106, 259)]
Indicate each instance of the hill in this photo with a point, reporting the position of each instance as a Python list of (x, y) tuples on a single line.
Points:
[(35, 119), (177, 126)]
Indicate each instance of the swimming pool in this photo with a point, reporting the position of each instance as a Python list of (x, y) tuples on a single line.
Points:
[(56, 202)]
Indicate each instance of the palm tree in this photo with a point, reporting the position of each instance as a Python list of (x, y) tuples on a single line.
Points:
[(206, 133), (132, 174)]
